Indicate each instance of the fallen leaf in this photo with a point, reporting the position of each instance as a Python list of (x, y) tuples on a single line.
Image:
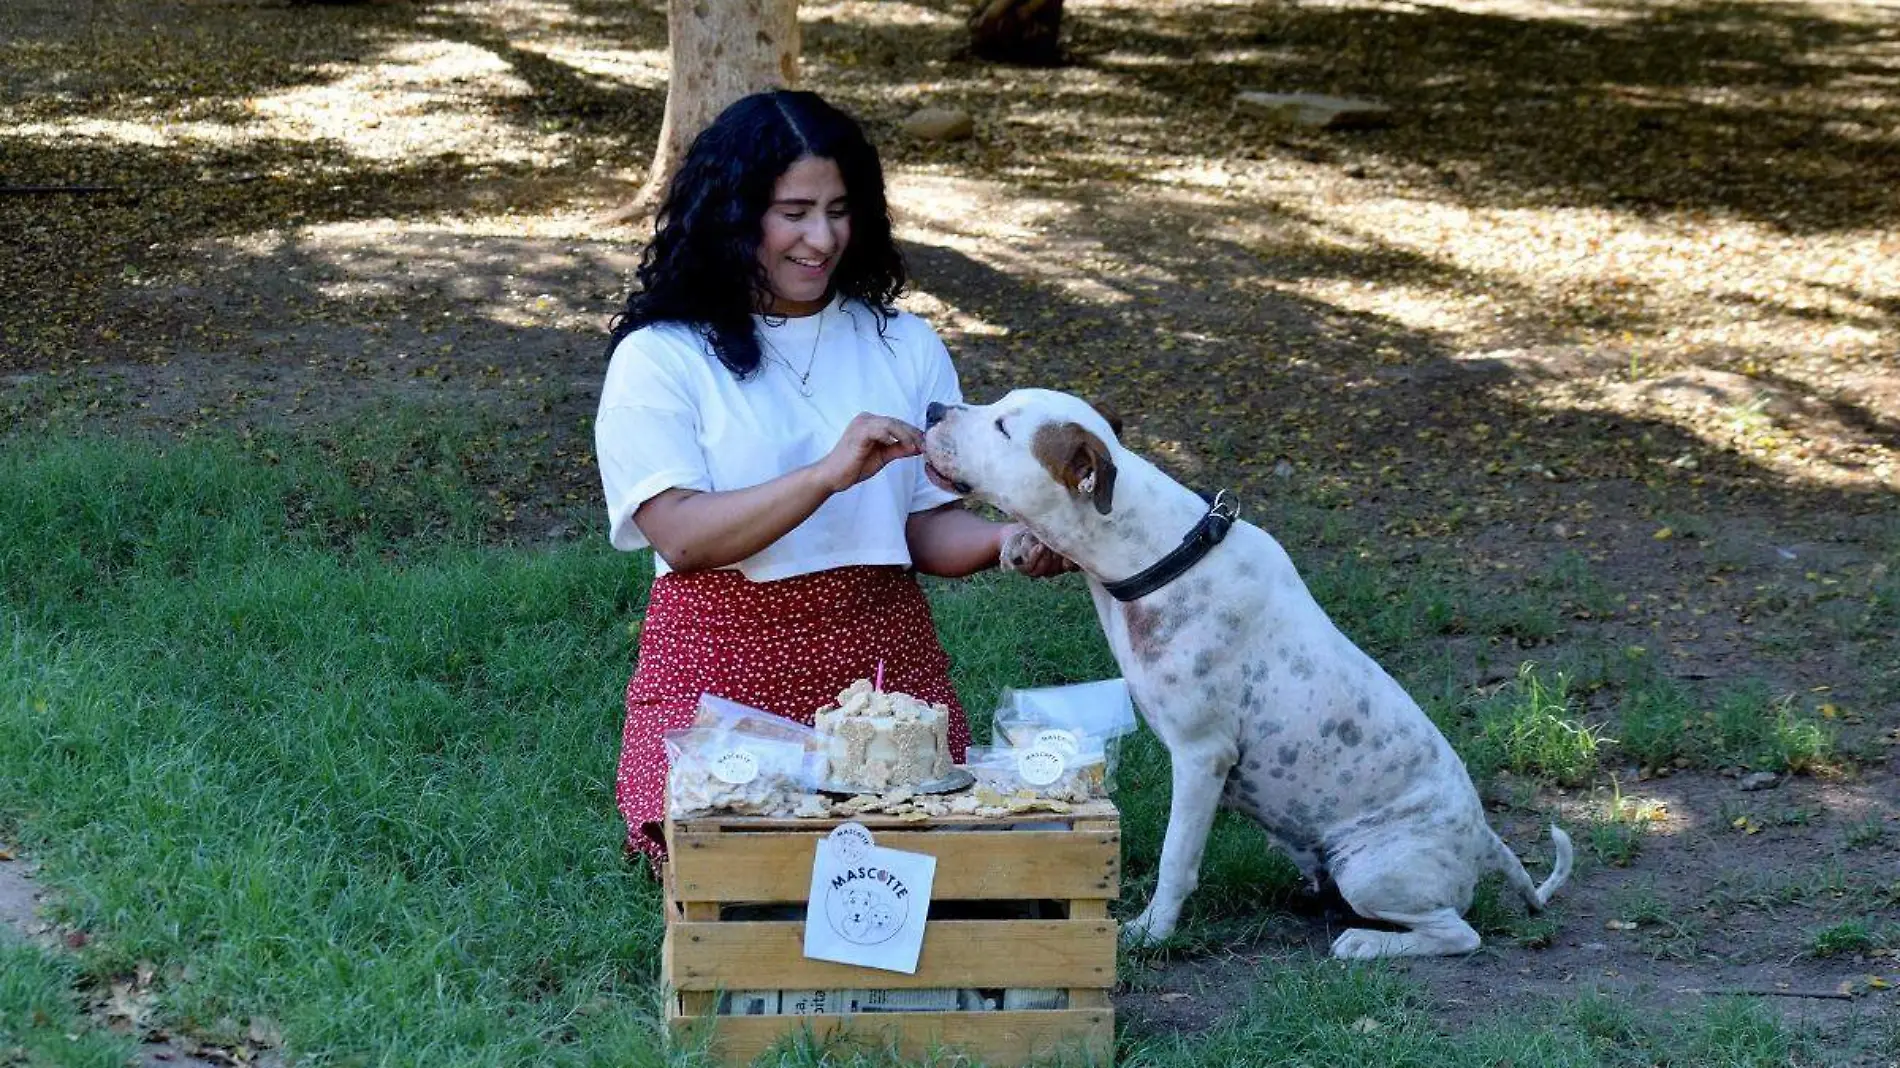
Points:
[(1664, 534), (1176, 995), (1365, 1025), (128, 1010), (264, 1031), (1620, 925)]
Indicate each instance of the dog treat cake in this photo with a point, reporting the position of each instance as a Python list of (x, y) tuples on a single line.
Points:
[(875, 739)]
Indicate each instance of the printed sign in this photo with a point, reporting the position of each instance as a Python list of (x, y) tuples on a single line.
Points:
[(868, 904)]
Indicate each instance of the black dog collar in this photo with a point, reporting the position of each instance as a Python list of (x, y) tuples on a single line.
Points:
[(1221, 514)]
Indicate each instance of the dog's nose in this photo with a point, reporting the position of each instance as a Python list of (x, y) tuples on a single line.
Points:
[(933, 414)]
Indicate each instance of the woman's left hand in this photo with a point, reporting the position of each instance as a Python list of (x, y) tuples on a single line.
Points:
[(1025, 554)]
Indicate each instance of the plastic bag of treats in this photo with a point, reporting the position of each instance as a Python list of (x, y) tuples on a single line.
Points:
[(1081, 716), (741, 760), (718, 713), (1009, 776)]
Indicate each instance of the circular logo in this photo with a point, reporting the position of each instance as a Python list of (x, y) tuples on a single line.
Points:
[(851, 842), (735, 767), (1040, 765), (865, 913)]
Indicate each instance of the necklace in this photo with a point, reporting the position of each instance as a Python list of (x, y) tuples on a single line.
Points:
[(804, 377)]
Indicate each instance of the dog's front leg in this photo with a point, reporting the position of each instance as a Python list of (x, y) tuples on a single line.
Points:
[(1199, 776)]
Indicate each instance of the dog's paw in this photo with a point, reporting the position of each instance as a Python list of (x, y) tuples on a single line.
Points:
[(1145, 930), (1361, 944), (1018, 549), (1133, 937)]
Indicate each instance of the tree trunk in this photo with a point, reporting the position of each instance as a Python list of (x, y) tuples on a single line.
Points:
[(717, 52), (1018, 31)]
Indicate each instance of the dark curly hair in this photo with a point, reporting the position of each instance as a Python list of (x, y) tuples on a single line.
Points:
[(702, 266)]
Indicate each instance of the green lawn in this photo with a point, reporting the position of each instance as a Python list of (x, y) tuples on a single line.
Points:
[(287, 737)]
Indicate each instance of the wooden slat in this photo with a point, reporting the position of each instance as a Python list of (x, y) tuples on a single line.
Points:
[(976, 865), (1088, 997), (745, 955), (1097, 811), (688, 1002), (699, 1002), (994, 1038)]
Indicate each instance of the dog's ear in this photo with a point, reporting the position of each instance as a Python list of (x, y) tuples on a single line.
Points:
[(1108, 412), (1079, 460)]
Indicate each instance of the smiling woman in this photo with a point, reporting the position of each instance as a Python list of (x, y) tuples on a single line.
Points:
[(804, 233), (758, 428)]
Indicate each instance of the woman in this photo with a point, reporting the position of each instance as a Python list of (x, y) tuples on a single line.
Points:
[(758, 429)]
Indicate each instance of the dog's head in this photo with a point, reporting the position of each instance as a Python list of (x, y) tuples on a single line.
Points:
[(1034, 453)]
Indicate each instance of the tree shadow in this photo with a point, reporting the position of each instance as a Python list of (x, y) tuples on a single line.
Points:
[(1757, 111), (210, 168), (1226, 391)]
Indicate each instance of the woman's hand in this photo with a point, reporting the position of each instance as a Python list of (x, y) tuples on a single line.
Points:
[(1025, 554), (695, 530), (866, 446)]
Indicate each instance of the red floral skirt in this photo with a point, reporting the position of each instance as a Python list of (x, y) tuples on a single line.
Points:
[(786, 647)]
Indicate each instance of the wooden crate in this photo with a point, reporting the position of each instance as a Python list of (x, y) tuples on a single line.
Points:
[(1072, 860)]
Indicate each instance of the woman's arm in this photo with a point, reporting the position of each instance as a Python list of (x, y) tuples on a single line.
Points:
[(950, 542), (696, 530)]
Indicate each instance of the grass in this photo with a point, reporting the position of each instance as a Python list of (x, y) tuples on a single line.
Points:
[(1313, 1015), (1498, 913), (366, 794), (1865, 834), (1617, 838), (1848, 937), (1662, 725), (1826, 886), (41, 1022), (292, 744), (1529, 728)]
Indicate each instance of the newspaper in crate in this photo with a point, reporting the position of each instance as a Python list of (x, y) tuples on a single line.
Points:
[(868, 904)]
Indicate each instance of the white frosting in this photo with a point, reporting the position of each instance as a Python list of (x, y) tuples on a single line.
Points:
[(877, 739)]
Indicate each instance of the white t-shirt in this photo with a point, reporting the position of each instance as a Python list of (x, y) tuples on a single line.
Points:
[(671, 415)]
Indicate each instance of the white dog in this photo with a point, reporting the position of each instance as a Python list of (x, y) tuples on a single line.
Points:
[(1263, 704)]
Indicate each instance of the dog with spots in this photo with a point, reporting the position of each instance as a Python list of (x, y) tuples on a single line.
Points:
[(1263, 704)]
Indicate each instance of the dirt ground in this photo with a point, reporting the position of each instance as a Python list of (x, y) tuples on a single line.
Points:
[(1618, 289)]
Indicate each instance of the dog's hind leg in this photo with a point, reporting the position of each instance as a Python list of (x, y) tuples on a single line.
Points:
[(1198, 781), (1418, 878), (1441, 933)]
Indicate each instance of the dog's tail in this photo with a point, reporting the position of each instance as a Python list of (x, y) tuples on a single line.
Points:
[(1536, 896)]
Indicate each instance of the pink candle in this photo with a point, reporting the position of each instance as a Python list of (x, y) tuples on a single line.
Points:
[(877, 683)]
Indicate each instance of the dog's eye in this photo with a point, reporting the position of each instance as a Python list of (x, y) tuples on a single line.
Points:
[(999, 427)]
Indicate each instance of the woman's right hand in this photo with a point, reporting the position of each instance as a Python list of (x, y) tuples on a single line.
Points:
[(866, 446)]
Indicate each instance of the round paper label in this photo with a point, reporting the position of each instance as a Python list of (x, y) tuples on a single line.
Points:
[(1040, 765), (735, 767), (851, 841), (1058, 739)]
